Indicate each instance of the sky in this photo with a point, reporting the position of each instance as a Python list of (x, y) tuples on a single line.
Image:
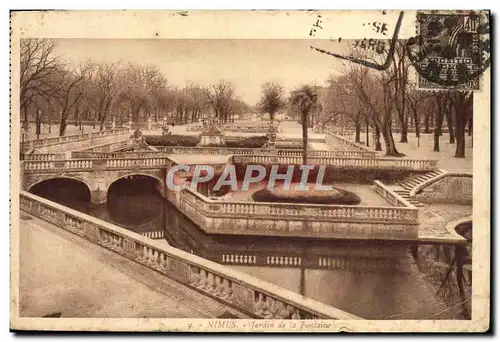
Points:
[(247, 63)]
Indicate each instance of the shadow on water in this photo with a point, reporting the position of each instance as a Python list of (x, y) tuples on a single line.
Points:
[(367, 278)]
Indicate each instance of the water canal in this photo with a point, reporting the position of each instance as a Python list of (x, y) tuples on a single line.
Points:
[(367, 278)]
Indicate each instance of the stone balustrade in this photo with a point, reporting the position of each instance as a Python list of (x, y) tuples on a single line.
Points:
[(167, 150), (31, 166), (378, 163), (299, 220), (335, 140), (71, 138), (447, 187), (392, 197), (288, 144), (255, 297), (103, 148), (45, 156)]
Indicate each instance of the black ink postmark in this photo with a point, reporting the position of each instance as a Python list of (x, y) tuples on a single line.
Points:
[(451, 50), (376, 45)]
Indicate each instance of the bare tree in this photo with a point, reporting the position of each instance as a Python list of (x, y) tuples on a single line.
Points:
[(219, 96), (376, 92), (272, 99), (399, 72), (103, 89), (443, 105), (463, 105), (39, 67), (415, 99), (340, 100), (69, 93)]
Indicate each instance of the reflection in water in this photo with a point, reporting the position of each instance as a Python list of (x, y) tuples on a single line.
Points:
[(366, 278)]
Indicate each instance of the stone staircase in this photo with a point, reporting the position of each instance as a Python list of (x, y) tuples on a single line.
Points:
[(409, 183)]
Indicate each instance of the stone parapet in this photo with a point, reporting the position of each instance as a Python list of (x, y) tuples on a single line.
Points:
[(297, 220), (448, 187), (248, 294)]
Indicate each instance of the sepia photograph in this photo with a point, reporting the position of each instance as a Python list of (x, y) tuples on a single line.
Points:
[(237, 171)]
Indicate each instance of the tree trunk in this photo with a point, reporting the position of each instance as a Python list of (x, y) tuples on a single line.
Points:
[(404, 130), (304, 137), (101, 122), (358, 132), (437, 130), (449, 121), (417, 124), (390, 146), (427, 128), (378, 144), (62, 128), (469, 127), (25, 116), (460, 132)]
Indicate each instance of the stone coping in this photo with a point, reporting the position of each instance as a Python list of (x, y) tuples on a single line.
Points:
[(300, 206), (450, 227), (419, 187), (75, 137), (243, 279), (88, 149), (396, 196), (348, 142)]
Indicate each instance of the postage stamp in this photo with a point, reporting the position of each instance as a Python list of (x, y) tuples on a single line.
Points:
[(451, 50), (250, 171)]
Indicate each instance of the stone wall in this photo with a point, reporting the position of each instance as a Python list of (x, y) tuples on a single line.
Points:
[(438, 263), (448, 188), (250, 295), (68, 146)]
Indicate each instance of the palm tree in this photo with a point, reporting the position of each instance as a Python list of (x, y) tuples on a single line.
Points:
[(305, 99)]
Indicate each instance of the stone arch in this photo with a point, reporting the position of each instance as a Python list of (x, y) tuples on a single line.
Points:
[(31, 184), (134, 173)]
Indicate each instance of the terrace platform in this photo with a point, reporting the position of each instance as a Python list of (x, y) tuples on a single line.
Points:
[(86, 280), (199, 159)]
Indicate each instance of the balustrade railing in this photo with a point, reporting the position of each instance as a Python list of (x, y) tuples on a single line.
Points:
[(392, 197), (167, 150), (340, 140), (444, 174), (253, 210), (71, 138), (44, 156), (89, 164), (253, 296), (382, 163)]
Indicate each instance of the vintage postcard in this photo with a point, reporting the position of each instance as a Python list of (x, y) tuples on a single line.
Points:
[(250, 171)]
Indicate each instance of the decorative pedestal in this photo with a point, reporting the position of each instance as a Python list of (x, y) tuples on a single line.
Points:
[(211, 139), (211, 135)]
